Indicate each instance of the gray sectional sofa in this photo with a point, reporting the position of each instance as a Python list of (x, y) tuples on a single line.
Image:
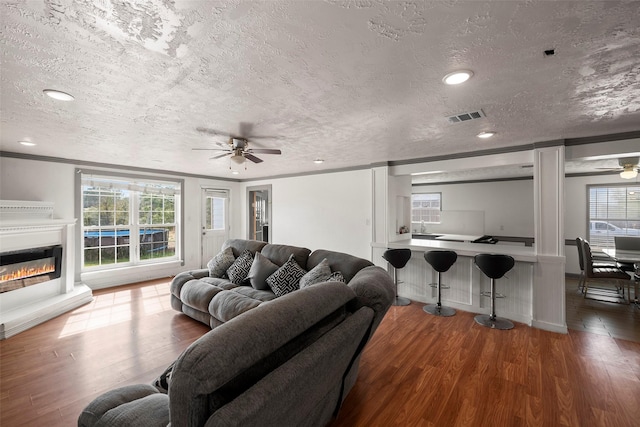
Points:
[(286, 360)]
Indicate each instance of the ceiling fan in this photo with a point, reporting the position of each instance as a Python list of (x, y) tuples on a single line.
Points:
[(237, 145), (628, 167)]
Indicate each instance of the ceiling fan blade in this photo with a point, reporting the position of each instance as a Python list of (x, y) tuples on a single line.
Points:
[(219, 156), (264, 150), (210, 131), (253, 158), (266, 137), (210, 149)]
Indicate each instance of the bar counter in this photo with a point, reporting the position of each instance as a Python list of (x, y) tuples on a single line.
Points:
[(465, 280)]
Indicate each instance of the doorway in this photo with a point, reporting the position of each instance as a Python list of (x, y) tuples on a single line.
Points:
[(259, 208), (215, 223)]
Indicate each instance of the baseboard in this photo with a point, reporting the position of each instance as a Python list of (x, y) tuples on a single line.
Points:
[(19, 320), (552, 327)]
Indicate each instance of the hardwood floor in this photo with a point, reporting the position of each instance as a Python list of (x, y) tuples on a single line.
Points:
[(601, 317), (418, 370)]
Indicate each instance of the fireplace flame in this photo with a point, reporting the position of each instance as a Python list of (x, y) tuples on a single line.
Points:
[(27, 271)]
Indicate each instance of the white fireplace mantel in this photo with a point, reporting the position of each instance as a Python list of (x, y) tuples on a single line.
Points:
[(26, 225)]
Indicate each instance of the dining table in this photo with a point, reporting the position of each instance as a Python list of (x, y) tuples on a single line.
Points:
[(628, 257)]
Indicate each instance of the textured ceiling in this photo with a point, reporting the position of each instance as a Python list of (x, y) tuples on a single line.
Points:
[(351, 82)]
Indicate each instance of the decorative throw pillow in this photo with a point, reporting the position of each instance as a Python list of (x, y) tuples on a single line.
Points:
[(261, 268), (336, 276), (239, 270), (317, 274), (287, 278), (163, 381), (220, 263)]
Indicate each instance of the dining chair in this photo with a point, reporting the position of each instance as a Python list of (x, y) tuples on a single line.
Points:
[(626, 243), (597, 263), (594, 272)]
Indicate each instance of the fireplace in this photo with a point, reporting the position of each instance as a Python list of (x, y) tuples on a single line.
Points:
[(37, 266), (19, 269)]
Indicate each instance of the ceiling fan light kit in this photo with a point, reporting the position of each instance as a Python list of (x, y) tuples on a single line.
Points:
[(628, 173), (238, 158), (237, 146)]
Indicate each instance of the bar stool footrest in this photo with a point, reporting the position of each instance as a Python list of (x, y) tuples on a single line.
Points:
[(488, 294), (435, 285)]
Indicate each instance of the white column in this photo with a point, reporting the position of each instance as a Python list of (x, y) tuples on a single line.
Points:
[(548, 283), (380, 209)]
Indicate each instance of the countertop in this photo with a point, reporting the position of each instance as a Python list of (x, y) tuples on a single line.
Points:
[(519, 253)]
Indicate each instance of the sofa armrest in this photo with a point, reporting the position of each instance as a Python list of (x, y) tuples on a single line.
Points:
[(181, 278), (133, 405), (374, 288)]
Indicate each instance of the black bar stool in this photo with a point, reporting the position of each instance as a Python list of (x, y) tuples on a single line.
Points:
[(398, 258), (441, 261), (493, 266)]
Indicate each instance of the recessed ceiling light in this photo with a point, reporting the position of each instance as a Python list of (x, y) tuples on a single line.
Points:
[(457, 77), (27, 143), (60, 96), (318, 161), (485, 135), (235, 172)]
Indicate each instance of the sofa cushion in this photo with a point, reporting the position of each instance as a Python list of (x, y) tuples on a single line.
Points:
[(139, 404), (219, 264), (198, 294), (317, 274), (260, 270), (228, 304), (279, 254), (257, 294), (239, 270), (240, 245), (287, 278), (349, 265)]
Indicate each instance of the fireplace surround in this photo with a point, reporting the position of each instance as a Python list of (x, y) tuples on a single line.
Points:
[(28, 232)]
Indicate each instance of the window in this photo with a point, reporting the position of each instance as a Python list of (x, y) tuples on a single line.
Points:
[(614, 210), (425, 208), (128, 221), (215, 212)]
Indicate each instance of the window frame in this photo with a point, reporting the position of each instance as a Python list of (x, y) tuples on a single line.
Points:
[(610, 225), (134, 224), (415, 224)]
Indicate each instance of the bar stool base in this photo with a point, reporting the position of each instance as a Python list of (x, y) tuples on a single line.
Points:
[(439, 311), (497, 323), (401, 301)]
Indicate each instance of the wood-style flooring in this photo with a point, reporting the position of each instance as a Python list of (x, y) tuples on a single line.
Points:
[(418, 370), (601, 317)]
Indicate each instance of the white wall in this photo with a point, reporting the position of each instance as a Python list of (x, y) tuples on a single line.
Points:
[(325, 211), (507, 205), (22, 179)]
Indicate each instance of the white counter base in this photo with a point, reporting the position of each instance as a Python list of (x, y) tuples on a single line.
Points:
[(466, 281)]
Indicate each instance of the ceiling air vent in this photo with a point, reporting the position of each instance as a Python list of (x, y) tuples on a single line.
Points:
[(463, 117)]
